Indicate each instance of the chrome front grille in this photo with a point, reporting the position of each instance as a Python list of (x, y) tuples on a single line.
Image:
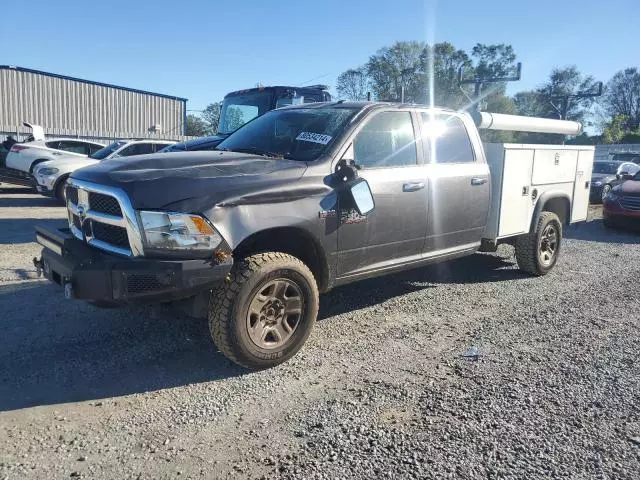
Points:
[(630, 203), (103, 217)]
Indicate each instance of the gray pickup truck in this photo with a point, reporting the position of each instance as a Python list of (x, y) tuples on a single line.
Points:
[(296, 202)]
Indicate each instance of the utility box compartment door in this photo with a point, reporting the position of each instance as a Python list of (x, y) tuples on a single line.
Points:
[(554, 166), (580, 204), (515, 204)]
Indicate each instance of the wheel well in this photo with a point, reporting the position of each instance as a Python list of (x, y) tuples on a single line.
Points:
[(36, 162), (61, 179), (293, 241), (560, 206)]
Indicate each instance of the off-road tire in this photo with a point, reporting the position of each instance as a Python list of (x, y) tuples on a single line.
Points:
[(528, 245), (229, 304)]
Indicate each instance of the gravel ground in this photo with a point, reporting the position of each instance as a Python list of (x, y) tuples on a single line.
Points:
[(381, 390)]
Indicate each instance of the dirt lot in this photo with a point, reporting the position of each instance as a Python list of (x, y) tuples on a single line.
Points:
[(381, 390)]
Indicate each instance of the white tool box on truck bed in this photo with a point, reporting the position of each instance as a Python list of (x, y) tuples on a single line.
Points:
[(523, 176)]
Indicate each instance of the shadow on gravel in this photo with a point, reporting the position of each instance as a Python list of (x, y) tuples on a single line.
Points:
[(595, 231), (31, 201), (478, 268), (54, 351), (22, 230), (10, 189)]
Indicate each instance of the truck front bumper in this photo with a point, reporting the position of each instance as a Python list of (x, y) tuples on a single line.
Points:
[(88, 274)]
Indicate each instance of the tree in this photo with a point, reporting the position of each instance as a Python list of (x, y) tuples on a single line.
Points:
[(353, 84), (494, 61), (196, 127), (211, 115), (445, 60), (617, 131), (391, 68), (566, 81), (623, 97)]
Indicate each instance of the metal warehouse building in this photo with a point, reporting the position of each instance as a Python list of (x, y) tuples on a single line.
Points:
[(72, 107)]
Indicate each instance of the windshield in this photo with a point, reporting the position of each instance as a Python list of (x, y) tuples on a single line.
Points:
[(627, 157), (297, 134), (605, 167), (108, 150), (239, 109)]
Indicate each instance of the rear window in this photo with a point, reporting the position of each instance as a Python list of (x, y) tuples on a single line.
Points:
[(445, 139)]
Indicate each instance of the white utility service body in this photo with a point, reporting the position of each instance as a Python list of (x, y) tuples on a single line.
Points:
[(523, 176)]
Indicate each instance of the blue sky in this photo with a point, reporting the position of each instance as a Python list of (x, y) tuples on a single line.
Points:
[(204, 49)]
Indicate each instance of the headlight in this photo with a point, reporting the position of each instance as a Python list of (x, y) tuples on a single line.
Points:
[(597, 184), (48, 171), (610, 197), (178, 231)]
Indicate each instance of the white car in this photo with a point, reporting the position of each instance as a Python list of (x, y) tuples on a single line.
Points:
[(51, 176), (25, 156)]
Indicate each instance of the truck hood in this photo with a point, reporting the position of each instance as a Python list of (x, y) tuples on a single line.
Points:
[(196, 181), (603, 177), (630, 188)]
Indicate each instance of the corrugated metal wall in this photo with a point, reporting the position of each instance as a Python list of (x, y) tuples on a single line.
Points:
[(81, 109)]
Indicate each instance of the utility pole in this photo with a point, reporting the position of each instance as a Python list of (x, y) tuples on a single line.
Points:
[(565, 99), (480, 82)]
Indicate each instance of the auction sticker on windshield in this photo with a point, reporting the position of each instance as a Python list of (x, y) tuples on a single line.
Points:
[(314, 137)]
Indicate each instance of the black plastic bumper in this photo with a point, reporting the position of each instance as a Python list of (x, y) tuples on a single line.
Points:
[(92, 275)]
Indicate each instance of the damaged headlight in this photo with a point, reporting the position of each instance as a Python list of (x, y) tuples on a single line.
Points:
[(178, 231)]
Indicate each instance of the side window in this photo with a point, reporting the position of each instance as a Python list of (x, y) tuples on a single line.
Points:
[(93, 148), (159, 146), (386, 140), (74, 147), (55, 144), (136, 149), (447, 139)]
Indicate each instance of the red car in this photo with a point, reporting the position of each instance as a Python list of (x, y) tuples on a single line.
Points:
[(622, 204)]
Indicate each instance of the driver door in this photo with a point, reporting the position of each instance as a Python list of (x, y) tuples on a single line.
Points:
[(385, 150)]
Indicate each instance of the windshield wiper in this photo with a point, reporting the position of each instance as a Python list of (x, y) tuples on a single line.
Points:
[(257, 151)]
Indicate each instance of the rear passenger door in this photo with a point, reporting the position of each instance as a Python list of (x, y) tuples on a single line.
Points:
[(385, 150), (459, 183)]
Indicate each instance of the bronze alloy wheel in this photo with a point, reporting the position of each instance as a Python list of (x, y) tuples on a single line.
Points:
[(548, 245), (274, 313)]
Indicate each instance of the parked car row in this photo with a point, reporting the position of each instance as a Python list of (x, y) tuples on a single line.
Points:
[(608, 174)]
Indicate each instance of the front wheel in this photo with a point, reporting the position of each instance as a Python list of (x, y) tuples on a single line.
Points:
[(61, 191), (262, 315), (537, 252), (605, 191)]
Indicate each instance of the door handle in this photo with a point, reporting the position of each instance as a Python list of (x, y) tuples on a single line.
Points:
[(413, 187), (478, 181)]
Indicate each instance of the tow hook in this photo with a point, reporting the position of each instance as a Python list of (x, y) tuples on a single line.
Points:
[(39, 265), (68, 291)]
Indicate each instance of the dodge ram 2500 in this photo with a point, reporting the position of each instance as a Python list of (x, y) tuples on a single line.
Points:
[(299, 201)]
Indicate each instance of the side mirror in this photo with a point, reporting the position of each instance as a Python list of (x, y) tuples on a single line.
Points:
[(362, 197), (626, 176)]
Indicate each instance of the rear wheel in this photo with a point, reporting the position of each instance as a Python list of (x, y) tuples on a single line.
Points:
[(265, 311), (37, 162), (537, 252)]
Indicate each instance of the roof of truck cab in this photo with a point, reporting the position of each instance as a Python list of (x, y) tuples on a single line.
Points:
[(272, 87), (363, 105)]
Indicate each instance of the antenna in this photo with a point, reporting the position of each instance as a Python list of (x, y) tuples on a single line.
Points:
[(479, 82)]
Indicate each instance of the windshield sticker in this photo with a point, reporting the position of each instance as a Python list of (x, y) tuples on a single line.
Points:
[(314, 137)]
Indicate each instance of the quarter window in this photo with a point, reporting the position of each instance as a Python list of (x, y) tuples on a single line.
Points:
[(446, 138), (387, 140)]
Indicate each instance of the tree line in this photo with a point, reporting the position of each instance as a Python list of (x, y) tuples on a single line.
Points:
[(423, 73)]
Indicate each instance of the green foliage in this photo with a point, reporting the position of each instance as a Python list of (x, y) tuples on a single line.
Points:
[(617, 131), (196, 127), (622, 97), (566, 81), (211, 116)]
